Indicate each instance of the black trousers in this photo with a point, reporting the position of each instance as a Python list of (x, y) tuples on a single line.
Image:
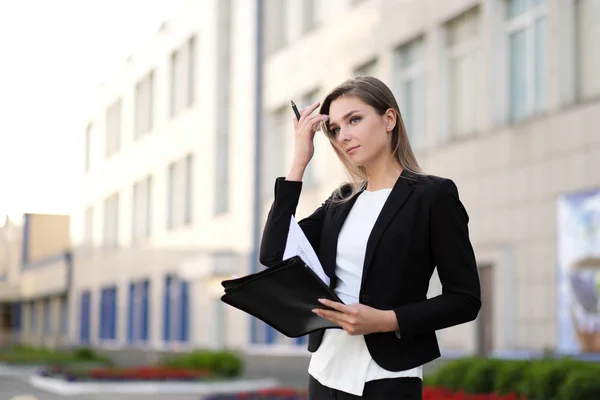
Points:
[(382, 389)]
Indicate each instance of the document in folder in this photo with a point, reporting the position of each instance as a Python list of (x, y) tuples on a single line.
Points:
[(298, 245)]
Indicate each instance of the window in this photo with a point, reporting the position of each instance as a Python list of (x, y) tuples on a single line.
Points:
[(47, 317), (144, 92), (85, 314), (108, 314), (138, 311), (180, 192), (183, 65), (275, 32), (113, 128), (176, 310), (527, 30), (463, 66), (221, 172), (310, 178), (111, 221), (273, 148), (370, 68), (587, 33), (88, 226), (88, 147), (410, 88), (309, 15), (64, 316), (142, 208), (33, 317)]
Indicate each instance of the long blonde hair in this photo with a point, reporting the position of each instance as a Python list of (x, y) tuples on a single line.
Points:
[(375, 93)]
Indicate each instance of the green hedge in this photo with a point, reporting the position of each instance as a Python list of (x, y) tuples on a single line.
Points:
[(221, 363), (27, 355), (539, 379)]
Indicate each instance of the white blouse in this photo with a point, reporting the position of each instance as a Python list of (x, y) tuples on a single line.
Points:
[(343, 362)]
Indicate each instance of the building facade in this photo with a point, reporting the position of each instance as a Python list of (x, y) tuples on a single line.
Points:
[(497, 95), (164, 211)]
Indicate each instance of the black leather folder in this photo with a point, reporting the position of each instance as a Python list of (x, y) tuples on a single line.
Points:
[(283, 296)]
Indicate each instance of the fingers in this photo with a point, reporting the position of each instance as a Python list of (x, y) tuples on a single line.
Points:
[(334, 304), (309, 110)]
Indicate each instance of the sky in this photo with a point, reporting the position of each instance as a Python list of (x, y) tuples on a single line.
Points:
[(55, 53)]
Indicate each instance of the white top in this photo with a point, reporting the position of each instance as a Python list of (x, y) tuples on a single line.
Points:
[(343, 362)]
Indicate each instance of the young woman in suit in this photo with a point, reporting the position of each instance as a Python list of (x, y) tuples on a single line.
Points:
[(379, 239)]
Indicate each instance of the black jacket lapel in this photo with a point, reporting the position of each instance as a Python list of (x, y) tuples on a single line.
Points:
[(400, 192)]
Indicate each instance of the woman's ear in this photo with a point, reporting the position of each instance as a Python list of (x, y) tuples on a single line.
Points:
[(390, 119)]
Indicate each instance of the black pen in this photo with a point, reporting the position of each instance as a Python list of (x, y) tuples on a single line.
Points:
[(295, 110)]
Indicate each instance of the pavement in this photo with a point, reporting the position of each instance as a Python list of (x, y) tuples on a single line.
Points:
[(16, 387)]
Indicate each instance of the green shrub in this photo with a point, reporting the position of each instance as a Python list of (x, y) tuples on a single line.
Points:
[(582, 384), (480, 376), (221, 363), (510, 376), (84, 354), (452, 374), (547, 376)]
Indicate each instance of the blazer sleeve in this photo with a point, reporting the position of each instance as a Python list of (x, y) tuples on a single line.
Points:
[(454, 258), (274, 237)]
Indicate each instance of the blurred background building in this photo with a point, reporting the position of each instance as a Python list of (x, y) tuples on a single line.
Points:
[(499, 95)]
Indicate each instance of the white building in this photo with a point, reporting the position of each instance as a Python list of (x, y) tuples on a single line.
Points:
[(166, 192), (499, 95)]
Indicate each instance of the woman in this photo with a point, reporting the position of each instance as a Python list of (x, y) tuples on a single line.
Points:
[(379, 240)]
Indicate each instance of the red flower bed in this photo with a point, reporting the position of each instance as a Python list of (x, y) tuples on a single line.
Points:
[(147, 374), (443, 394)]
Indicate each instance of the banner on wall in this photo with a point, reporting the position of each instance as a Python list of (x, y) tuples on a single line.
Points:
[(578, 275)]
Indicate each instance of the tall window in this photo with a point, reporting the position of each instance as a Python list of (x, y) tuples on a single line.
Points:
[(85, 316), (113, 128), (273, 148), (111, 221), (144, 92), (33, 317), (142, 208), (47, 316), (108, 314), (176, 324), (183, 64), (180, 192), (275, 32), (410, 86), (138, 311), (587, 33), (370, 68), (309, 15), (88, 147), (527, 30), (463, 66), (221, 172), (310, 178)]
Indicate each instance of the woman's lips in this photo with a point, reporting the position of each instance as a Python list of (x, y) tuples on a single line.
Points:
[(352, 149)]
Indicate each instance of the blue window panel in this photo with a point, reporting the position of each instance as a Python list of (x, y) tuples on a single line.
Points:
[(145, 310), (47, 317), (33, 317), (130, 313), (17, 317), (84, 327), (102, 326), (184, 311), (113, 313), (302, 340), (270, 334), (167, 310)]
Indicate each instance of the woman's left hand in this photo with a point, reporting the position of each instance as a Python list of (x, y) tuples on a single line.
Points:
[(358, 319)]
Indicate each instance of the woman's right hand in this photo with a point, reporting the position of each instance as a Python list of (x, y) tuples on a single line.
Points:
[(305, 129)]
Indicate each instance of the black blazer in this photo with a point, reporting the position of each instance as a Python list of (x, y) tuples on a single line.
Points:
[(422, 225)]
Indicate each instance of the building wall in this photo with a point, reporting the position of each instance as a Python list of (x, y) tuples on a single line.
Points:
[(510, 171), (219, 118)]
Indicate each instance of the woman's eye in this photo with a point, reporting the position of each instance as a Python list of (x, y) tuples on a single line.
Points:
[(354, 120), (335, 131)]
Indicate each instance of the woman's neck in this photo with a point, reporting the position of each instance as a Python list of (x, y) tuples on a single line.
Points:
[(383, 174)]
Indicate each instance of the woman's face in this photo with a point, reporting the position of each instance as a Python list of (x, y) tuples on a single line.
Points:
[(359, 130)]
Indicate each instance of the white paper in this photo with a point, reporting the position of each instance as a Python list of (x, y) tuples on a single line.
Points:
[(298, 245)]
